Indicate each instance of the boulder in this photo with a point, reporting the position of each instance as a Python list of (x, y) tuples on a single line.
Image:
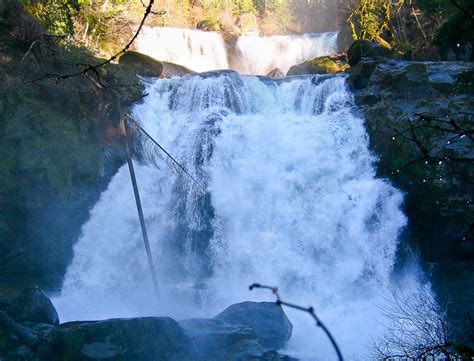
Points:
[(247, 23), (267, 319), (32, 305), (216, 340), (144, 339), (321, 65), (367, 49), (142, 64), (275, 73), (170, 70)]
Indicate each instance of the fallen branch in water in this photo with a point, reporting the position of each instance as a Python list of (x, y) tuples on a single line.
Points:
[(309, 310)]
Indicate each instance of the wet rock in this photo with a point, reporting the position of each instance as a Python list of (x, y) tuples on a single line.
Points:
[(32, 305), (218, 340), (144, 339), (142, 64), (394, 96), (8, 295), (267, 319), (170, 70), (367, 49), (275, 73), (321, 65)]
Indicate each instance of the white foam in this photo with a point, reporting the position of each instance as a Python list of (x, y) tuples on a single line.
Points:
[(292, 200)]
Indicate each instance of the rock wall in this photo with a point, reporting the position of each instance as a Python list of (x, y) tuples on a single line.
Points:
[(420, 118), (59, 146)]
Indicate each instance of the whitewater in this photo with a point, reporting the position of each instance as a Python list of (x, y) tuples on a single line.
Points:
[(248, 54), (291, 199)]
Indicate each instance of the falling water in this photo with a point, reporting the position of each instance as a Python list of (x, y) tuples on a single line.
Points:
[(260, 55), (291, 200), (197, 50), (250, 54)]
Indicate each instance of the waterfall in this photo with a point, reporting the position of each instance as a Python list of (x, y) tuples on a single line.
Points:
[(197, 50), (291, 200), (249, 54), (260, 55)]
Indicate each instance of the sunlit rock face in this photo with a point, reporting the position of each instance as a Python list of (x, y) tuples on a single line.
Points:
[(248, 54), (289, 198)]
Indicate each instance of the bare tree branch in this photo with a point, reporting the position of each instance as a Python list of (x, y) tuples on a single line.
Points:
[(309, 310)]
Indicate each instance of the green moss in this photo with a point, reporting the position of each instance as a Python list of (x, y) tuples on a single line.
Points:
[(329, 65)]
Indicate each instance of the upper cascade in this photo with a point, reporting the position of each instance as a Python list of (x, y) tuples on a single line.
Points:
[(249, 54)]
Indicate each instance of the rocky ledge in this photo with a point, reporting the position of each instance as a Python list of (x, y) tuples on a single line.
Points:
[(30, 331), (420, 116)]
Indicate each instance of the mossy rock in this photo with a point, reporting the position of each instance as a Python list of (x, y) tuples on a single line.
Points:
[(322, 65), (142, 64), (208, 25), (367, 49)]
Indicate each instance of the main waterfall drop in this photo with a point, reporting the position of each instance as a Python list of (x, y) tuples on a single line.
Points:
[(291, 199), (247, 54)]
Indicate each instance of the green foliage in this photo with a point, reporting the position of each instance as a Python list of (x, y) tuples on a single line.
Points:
[(370, 20), (243, 6), (43, 139), (56, 16)]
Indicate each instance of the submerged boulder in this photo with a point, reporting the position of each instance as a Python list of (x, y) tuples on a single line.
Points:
[(144, 339), (267, 319), (367, 49), (321, 65), (142, 64)]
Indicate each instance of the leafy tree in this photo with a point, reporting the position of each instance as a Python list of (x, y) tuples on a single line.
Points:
[(370, 20)]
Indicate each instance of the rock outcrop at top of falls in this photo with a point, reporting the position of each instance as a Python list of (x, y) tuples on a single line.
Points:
[(323, 65), (29, 330)]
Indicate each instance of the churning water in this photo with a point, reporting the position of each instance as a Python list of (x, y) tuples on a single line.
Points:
[(249, 54), (291, 199)]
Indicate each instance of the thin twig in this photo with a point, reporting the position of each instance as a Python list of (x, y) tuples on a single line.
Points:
[(309, 310)]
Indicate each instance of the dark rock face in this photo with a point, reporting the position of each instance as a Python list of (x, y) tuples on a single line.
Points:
[(366, 49), (148, 338), (270, 323), (142, 64), (394, 95), (32, 305), (415, 114), (58, 151)]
